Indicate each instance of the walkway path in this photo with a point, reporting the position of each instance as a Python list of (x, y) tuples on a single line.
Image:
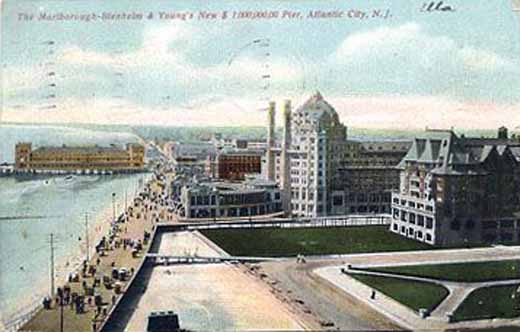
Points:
[(458, 291), (330, 270)]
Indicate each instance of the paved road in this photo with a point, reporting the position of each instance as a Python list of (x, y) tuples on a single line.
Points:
[(298, 284)]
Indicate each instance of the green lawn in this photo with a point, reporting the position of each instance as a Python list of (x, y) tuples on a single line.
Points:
[(415, 295), (271, 242), (465, 272), (489, 302)]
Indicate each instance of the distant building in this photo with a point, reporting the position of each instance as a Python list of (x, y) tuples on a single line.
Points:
[(78, 159), (321, 172), (234, 165), (190, 157), (199, 150), (456, 190), (254, 197)]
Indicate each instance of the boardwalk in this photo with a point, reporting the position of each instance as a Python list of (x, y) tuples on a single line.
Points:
[(117, 255)]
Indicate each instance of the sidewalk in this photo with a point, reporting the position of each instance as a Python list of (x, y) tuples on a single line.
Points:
[(406, 317)]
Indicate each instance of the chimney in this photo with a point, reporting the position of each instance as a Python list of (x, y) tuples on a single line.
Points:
[(271, 138), (285, 158)]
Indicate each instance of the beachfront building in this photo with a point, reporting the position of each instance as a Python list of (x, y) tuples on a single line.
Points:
[(320, 171), (310, 152), (81, 159), (457, 190), (207, 199)]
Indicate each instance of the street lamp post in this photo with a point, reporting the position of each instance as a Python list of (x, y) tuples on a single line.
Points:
[(87, 237)]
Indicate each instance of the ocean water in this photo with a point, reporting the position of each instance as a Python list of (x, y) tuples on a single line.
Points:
[(33, 208)]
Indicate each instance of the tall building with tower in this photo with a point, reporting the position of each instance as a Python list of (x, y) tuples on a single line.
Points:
[(305, 162), (322, 173)]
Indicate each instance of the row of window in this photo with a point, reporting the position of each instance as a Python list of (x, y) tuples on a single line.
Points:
[(236, 212), (412, 204), (234, 199), (410, 232), (412, 218), (83, 165)]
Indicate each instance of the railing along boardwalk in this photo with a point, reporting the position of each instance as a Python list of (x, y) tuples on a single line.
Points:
[(22, 316), (166, 260), (318, 222)]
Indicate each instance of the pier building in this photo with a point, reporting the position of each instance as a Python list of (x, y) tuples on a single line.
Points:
[(79, 159)]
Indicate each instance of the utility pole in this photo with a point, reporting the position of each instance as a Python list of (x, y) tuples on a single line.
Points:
[(86, 236), (114, 207), (52, 264), (61, 313)]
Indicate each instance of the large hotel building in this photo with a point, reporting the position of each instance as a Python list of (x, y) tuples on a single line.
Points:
[(458, 190), (321, 172), (79, 159)]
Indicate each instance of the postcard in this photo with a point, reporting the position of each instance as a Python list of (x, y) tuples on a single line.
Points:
[(259, 165)]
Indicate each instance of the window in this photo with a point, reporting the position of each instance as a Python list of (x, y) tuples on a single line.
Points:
[(420, 220), (429, 223), (337, 200), (403, 215), (428, 237)]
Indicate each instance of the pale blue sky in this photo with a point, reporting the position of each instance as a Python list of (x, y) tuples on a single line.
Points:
[(201, 72)]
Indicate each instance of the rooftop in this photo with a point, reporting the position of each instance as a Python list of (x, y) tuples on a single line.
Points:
[(315, 107), (458, 155), (79, 149)]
